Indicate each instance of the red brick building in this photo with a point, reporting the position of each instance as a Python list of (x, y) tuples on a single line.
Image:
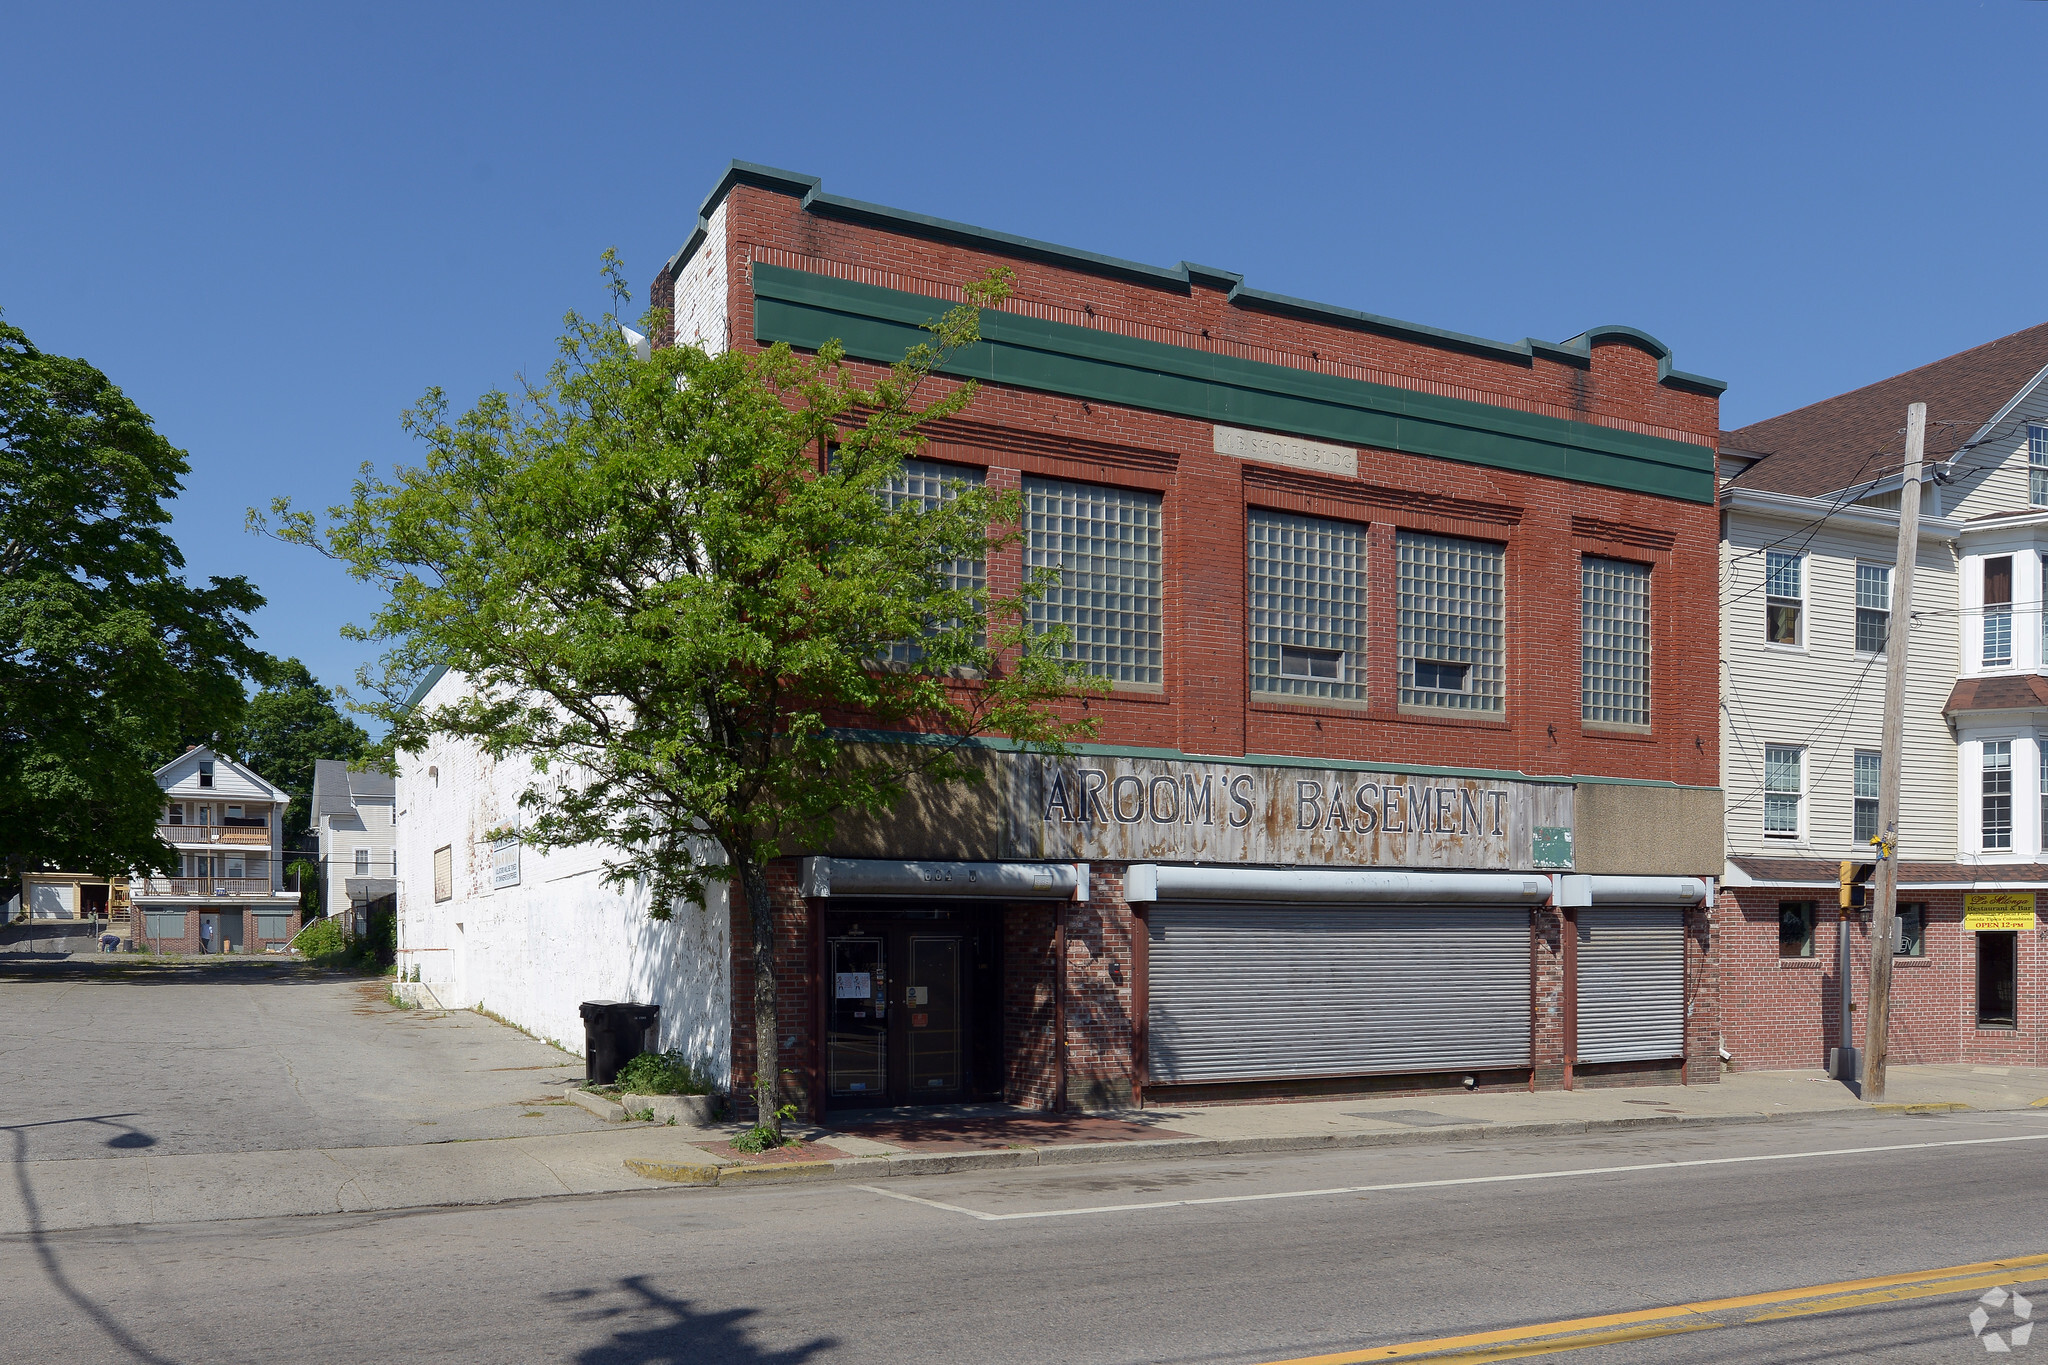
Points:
[(1408, 776)]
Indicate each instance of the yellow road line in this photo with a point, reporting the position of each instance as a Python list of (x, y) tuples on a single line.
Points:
[(1575, 1343), (1568, 1326), (1911, 1291)]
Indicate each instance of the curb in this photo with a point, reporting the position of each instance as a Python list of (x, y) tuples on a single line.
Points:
[(918, 1163)]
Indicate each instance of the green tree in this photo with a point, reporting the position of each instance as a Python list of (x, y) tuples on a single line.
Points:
[(107, 654), (670, 582), (286, 726)]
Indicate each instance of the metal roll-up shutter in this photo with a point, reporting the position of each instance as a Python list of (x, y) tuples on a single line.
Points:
[(1243, 992), (1631, 962)]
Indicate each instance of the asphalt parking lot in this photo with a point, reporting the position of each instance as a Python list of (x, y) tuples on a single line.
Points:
[(105, 1059)]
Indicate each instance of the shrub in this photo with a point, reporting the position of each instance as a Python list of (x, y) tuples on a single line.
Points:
[(325, 943), (662, 1073)]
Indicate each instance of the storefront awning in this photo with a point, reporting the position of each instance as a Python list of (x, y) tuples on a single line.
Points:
[(1351, 885), (888, 877)]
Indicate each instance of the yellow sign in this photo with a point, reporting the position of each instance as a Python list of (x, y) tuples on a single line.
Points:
[(1996, 911)]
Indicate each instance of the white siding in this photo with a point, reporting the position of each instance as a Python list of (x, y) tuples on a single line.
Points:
[(1993, 477), (700, 290), (533, 952), (1827, 698)]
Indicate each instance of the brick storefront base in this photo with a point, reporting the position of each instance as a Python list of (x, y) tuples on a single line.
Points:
[(190, 942), (1782, 1013), (1103, 1004)]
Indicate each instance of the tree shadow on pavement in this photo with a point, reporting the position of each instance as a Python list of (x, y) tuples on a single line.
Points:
[(677, 1334)]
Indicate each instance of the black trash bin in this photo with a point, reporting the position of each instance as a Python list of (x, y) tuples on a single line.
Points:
[(636, 1029), (614, 1033), (600, 1042)]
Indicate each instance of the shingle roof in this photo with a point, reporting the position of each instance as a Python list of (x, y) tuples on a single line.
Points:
[(2011, 692), (336, 789), (1845, 440)]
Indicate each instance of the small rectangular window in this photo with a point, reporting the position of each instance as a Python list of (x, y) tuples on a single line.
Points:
[(205, 772), (1784, 597), (1996, 794), (237, 869), (1873, 607), (1997, 980), (1795, 929), (1784, 786), (1614, 642), (1440, 677), (1105, 545), (444, 873), (1869, 768), (2037, 464), (1451, 619), (177, 813), (1912, 930), (1308, 580), (1998, 611), (362, 862)]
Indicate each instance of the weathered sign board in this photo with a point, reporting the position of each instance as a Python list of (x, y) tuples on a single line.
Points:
[(1134, 809)]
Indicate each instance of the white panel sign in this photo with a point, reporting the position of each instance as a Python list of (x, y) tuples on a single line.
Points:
[(1117, 809)]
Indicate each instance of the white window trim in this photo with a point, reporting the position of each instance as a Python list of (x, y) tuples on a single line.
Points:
[(1804, 599), (1856, 605), (1765, 793)]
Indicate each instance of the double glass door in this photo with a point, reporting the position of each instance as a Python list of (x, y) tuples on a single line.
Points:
[(896, 1030)]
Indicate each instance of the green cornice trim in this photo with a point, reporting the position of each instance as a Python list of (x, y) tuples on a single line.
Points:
[(1180, 278), (1009, 746), (807, 310)]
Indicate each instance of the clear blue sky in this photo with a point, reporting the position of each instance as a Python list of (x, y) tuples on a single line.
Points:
[(274, 226)]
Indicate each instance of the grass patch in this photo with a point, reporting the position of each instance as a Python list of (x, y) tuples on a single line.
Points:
[(662, 1073)]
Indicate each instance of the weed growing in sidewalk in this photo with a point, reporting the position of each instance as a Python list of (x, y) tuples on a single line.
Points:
[(762, 1136)]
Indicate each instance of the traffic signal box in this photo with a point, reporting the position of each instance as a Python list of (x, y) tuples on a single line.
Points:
[(1855, 889)]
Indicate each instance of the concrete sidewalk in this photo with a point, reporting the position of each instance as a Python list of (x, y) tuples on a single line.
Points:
[(49, 1195)]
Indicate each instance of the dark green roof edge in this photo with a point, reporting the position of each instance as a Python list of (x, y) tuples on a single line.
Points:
[(878, 323), (426, 685), (1577, 351), (999, 745)]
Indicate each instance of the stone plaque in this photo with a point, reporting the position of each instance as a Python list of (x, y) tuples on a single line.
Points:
[(1242, 444)]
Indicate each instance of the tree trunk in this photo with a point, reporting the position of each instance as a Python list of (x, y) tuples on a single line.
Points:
[(767, 1044)]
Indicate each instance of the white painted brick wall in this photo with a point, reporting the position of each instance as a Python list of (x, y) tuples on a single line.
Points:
[(700, 290), (534, 952)]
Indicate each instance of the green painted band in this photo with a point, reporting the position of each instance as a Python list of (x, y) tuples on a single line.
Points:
[(807, 310)]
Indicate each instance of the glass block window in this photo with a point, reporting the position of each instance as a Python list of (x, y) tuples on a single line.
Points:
[(1873, 607), (1307, 606), (1451, 622), (2037, 464), (1996, 794), (1614, 642), (928, 484), (1783, 789), (1105, 544), (1998, 611), (1784, 598), (1869, 767)]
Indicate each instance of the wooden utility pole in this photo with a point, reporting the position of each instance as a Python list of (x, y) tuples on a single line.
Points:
[(1886, 912)]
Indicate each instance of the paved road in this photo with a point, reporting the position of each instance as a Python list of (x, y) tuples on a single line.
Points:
[(1292, 1256), (104, 1059)]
